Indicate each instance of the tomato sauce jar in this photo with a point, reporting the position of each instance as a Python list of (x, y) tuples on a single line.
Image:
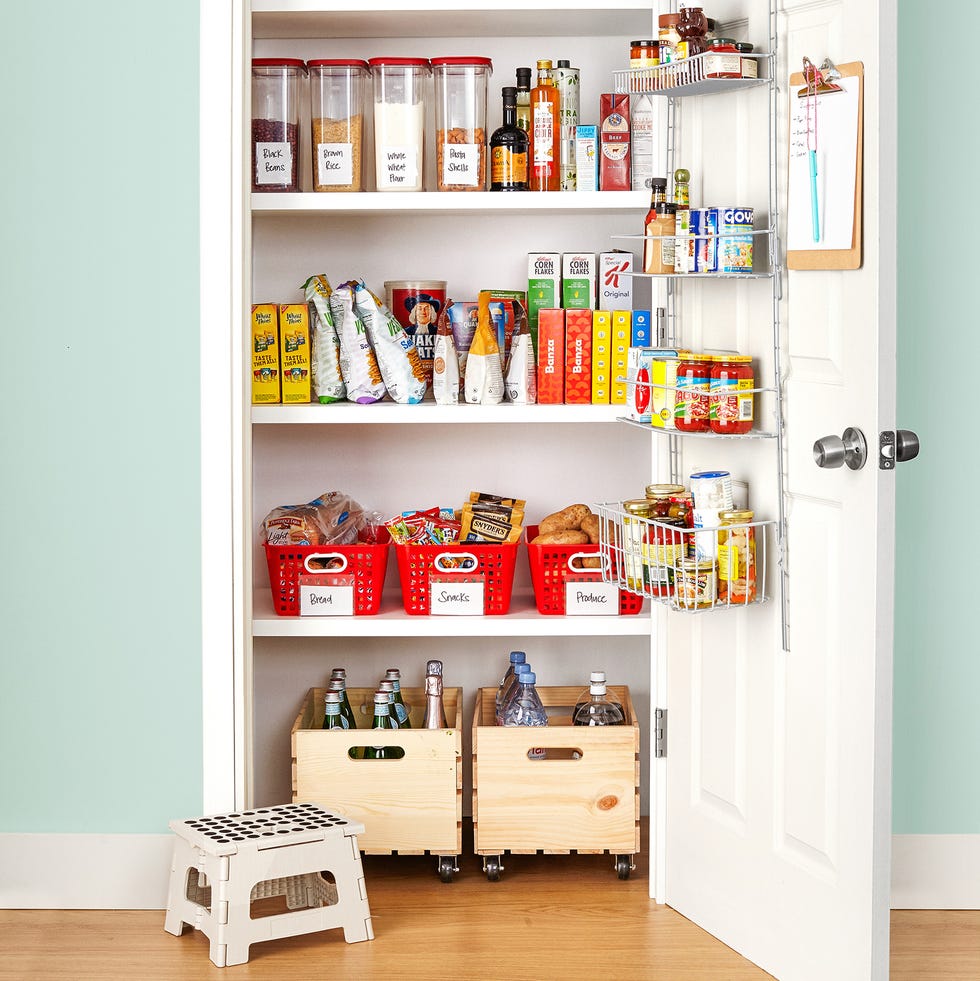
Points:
[(730, 395), (691, 411)]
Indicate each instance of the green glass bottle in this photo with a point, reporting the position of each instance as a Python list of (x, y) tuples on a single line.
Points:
[(389, 689), (339, 686), (382, 720), (333, 717), (401, 709)]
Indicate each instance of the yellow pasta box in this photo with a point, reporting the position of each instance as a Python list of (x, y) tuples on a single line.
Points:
[(265, 354), (622, 333), (294, 352), (601, 355)]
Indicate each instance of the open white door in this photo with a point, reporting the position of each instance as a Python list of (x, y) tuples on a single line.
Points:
[(779, 764)]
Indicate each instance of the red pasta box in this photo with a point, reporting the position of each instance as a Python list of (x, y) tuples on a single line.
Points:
[(578, 357), (551, 356), (614, 142)]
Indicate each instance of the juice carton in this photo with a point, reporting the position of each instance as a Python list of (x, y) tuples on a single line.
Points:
[(265, 354), (587, 158), (622, 333), (294, 337), (578, 274), (578, 357), (615, 289), (551, 356), (614, 142), (543, 283), (601, 356), (642, 335)]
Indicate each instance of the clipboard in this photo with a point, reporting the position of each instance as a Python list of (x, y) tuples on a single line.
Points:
[(832, 258)]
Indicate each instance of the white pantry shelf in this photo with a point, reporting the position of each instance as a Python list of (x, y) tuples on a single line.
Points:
[(429, 413)]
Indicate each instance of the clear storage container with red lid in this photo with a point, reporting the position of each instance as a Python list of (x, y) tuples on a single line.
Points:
[(399, 121), (337, 123), (461, 121), (275, 123)]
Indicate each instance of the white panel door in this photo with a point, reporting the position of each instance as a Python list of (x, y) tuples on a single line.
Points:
[(778, 766)]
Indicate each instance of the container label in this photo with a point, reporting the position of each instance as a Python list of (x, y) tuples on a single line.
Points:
[(273, 163), (399, 166), (591, 599), (461, 164), (334, 164), (320, 599), (453, 597)]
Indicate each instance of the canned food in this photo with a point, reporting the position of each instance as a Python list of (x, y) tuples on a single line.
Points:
[(736, 557), (712, 489), (735, 240), (694, 584), (691, 411)]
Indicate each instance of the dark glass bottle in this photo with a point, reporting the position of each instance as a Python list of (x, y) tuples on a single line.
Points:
[(508, 149)]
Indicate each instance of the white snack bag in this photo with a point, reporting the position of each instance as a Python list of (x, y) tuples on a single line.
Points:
[(358, 365), (445, 362), (484, 381), (328, 383), (521, 378)]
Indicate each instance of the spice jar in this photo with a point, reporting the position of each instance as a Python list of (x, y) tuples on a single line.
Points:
[(691, 410), (399, 121), (337, 123), (461, 121), (730, 395), (736, 557), (275, 123), (695, 586)]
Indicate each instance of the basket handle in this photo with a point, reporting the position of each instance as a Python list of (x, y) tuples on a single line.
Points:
[(325, 555), (604, 567), (453, 558)]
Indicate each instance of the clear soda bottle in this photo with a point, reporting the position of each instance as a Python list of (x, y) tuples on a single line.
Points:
[(598, 710), (597, 677), (521, 668), (524, 707), (516, 657)]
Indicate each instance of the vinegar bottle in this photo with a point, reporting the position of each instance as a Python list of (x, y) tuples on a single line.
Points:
[(544, 169), (508, 149), (524, 100)]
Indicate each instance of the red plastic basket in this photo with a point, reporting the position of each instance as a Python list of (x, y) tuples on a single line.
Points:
[(551, 570), (493, 564), (366, 563)]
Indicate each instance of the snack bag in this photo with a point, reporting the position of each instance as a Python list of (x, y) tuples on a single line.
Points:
[(358, 363), (397, 356), (464, 317), (328, 384), (521, 376), (484, 382), (445, 363)]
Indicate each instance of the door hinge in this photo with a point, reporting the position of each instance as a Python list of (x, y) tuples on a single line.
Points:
[(659, 733)]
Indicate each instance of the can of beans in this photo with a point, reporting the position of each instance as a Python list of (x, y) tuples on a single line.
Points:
[(416, 304)]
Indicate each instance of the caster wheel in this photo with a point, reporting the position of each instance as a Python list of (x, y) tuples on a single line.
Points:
[(492, 866), (446, 868), (623, 866)]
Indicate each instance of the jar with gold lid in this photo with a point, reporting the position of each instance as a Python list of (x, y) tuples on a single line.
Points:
[(736, 557), (695, 584)]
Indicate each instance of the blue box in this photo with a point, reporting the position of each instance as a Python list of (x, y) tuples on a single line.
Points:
[(642, 329)]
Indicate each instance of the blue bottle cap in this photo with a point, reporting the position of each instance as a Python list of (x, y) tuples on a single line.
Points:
[(517, 657), (528, 678), (520, 669)]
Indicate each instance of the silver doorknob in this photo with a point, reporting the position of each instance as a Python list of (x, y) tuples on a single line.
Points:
[(834, 451), (897, 447)]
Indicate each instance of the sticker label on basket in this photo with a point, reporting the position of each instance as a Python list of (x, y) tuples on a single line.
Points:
[(591, 599), (326, 596), (456, 597)]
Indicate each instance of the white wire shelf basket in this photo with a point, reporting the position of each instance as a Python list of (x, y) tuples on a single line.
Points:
[(689, 76), (692, 570)]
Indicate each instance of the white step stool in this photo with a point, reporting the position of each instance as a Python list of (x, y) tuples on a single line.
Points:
[(224, 862)]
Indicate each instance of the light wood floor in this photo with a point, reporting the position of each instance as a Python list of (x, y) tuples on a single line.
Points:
[(544, 911)]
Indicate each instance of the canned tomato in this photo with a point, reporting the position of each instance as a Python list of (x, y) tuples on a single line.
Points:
[(731, 397), (691, 412), (416, 304), (695, 586)]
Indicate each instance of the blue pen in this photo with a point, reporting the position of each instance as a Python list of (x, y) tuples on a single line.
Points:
[(813, 196)]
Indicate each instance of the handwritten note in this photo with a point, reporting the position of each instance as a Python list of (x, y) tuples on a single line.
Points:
[(833, 131)]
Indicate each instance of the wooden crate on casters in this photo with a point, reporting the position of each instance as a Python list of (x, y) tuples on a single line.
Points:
[(411, 805), (582, 794)]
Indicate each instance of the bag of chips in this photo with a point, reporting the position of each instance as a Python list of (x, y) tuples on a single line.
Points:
[(484, 383), (328, 383), (358, 363)]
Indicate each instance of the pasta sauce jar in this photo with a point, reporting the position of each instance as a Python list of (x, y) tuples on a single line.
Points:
[(730, 395), (691, 410)]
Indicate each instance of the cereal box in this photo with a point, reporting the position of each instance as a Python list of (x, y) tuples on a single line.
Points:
[(265, 354), (578, 275), (601, 356), (615, 289), (622, 332), (578, 357), (543, 283), (294, 336), (551, 356)]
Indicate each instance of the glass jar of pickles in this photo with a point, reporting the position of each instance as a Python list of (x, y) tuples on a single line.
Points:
[(736, 557)]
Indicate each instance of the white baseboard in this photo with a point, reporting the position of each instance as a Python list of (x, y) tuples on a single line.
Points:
[(76, 871), (936, 871)]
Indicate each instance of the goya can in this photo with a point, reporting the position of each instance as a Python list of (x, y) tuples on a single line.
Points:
[(730, 394), (735, 240)]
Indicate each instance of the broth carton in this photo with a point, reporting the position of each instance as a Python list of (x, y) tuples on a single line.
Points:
[(265, 354), (551, 356), (294, 353), (578, 357), (543, 283), (578, 279)]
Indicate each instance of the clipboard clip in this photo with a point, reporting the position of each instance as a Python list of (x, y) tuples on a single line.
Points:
[(818, 80)]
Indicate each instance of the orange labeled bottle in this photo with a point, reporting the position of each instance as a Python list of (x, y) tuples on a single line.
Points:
[(544, 170)]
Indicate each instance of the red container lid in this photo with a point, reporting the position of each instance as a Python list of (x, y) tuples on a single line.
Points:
[(337, 63), (386, 62), (278, 63), (477, 62)]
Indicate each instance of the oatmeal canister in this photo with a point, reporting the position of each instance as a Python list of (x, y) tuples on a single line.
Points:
[(461, 122), (275, 123), (337, 123), (416, 304)]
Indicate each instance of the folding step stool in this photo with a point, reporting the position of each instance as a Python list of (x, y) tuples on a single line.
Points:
[(224, 862)]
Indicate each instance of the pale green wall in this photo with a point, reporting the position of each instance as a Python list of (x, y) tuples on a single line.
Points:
[(937, 650), (100, 726), (100, 692)]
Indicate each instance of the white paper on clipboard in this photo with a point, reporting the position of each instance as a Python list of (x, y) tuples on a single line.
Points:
[(836, 136)]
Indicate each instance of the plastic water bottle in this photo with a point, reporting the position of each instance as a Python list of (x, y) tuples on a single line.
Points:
[(524, 707), (516, 657), (597, 677), (519, 669), (599, 710)]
